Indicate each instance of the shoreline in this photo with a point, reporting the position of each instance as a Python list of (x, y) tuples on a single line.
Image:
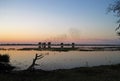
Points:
[(68, 49), (97, 73)]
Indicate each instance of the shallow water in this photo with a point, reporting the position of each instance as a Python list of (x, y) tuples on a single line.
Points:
[(62, 60)]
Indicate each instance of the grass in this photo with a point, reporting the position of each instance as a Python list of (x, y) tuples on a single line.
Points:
[(99, 73)]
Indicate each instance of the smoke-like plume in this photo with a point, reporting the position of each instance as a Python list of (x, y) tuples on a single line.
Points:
[(74, 33)]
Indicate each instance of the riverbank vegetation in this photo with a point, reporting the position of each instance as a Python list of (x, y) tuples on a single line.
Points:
[(5, 66), (99, 73)]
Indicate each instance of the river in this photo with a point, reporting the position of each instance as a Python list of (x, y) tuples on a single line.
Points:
[(62, 60)]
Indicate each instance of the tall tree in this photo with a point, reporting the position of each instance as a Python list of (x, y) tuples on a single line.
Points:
[(115, 8)]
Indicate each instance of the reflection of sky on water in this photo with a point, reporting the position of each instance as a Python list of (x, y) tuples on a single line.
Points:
[(63, 60)]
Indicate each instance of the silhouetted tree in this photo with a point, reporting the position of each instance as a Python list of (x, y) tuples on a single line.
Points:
[(37, 57), (115, 8)]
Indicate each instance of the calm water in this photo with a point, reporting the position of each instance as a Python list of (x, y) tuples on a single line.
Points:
[(62, 60)]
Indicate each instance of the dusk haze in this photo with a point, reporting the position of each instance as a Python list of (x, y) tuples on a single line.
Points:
[(79, 21), (59, 40)]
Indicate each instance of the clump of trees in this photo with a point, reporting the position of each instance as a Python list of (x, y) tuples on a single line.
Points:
[(4, 63), (115, 8)]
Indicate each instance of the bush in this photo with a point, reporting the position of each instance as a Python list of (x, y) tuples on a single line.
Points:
[(4, 63), (4, 58)]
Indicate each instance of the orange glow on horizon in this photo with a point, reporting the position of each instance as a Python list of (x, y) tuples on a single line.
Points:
[(25, 39), (14, 37)]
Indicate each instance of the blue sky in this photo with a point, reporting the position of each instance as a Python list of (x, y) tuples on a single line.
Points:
[(57, 20)]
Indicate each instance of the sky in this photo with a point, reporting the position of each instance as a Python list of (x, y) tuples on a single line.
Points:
[(81, 21)]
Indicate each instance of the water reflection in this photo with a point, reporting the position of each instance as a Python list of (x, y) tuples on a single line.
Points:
[(62, 60)]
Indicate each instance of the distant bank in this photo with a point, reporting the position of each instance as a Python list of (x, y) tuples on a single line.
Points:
[(64, 46)]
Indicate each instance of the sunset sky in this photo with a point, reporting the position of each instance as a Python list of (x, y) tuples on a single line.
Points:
[(83, 21)]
